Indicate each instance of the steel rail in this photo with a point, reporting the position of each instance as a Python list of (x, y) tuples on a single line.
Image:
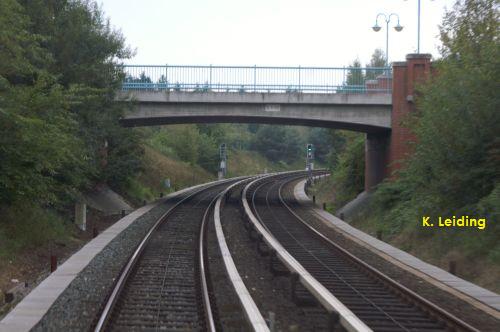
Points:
[(209, 317), (346, 317), (252, 313), (125, 273), (407, 293)]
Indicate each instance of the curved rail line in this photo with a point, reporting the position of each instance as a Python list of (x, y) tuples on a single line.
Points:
[(372, 297), (433, 310), (252, 313), (171, 239)]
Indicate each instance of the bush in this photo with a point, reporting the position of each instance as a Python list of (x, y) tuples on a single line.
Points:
[(349, 174)]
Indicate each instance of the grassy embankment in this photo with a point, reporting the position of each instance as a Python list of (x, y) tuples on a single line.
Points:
[(41, 226), (159, 167)]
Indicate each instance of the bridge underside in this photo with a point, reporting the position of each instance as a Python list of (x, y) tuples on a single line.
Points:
[(363, 113), (155, 121), (368, 113)]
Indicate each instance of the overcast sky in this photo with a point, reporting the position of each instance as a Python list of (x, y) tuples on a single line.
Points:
[(271, 32)]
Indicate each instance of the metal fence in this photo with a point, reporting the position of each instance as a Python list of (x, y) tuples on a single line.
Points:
[(255, 79)]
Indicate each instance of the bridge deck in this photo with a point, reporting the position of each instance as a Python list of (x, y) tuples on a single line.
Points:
[(360, 112)]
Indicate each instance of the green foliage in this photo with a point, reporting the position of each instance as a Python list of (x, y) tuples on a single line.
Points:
[(278, 143), (83, 44), (455, 167), (58, 73), (320, 138), (21, 55), (378, 60), (282, 145), (42, 160), (189, 144), (348, 175), (138, 192), (355, 76)]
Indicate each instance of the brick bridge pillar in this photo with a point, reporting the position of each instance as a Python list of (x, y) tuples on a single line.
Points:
[(384, 152)]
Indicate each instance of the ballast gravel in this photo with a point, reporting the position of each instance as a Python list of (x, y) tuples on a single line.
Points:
[(272, 294)]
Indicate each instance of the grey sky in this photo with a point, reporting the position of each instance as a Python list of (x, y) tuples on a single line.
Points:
[(271, 32)]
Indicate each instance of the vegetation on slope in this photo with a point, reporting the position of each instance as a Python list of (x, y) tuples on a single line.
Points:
[(455, 168), (59, 70), (58, 74)]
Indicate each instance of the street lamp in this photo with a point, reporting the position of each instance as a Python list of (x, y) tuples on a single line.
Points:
[(377, 28), (418, 27)]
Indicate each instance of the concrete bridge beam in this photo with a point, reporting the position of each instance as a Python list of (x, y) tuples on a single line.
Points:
[(358, 112)]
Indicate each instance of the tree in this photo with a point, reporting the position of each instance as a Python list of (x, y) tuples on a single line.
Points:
[(355, 74), (355, 78), (337, 141), (42, 159), (459, 120), (320, 138), (349, 173), (278, 143), (378, 60), (86, 55)]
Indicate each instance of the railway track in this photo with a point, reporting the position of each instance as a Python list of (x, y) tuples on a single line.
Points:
[(378, 302), (164, 285)]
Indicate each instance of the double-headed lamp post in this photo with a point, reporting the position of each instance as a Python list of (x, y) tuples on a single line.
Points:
[(377, 28)]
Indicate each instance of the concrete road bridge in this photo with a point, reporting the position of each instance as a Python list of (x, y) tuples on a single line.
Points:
[(370, 100)]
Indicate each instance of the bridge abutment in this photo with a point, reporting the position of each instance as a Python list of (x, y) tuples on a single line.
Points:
[(385, 153)]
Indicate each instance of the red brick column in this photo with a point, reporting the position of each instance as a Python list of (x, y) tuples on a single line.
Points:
[(406, 75)]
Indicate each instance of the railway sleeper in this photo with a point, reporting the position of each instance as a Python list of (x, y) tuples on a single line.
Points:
[(262, 247), (254, 235), (300, 295), (276, 266)]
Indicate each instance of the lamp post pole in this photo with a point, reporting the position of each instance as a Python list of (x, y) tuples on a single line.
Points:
[(418, 28), (387, 41), (418, 25), (376, 28)]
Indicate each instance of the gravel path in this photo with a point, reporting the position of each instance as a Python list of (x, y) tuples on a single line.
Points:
[(454, 305)]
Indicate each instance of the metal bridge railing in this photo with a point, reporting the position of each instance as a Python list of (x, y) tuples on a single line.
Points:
[(258, 79)]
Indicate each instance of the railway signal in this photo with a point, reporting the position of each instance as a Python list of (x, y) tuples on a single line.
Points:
[(310, 157), (223, 160)]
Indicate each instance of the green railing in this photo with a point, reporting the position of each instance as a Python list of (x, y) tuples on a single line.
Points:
[(256, 79)]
